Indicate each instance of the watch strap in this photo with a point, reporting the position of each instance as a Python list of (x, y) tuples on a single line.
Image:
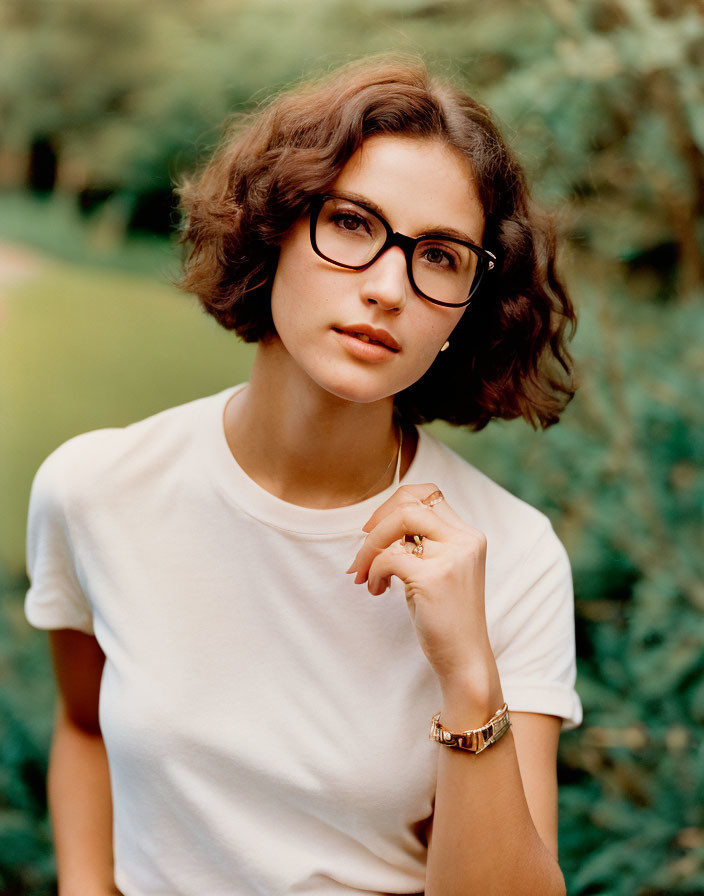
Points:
[(475, 740)]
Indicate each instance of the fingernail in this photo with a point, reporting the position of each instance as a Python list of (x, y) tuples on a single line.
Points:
[(351, 569)]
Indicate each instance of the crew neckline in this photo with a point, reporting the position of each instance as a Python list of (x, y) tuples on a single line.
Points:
[(241, 490)]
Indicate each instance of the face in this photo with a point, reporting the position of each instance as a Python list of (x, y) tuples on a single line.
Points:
[(321, 311)]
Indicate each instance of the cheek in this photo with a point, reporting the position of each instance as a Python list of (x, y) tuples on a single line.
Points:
[(427, 354), (436, 328), (432, 333), (280, 311), (287, 295), (303, 285)]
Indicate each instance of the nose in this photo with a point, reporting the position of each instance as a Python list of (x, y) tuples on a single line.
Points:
[(385, 283)]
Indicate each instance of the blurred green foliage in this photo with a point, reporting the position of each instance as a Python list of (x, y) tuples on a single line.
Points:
[(604, 102), (26, 714)]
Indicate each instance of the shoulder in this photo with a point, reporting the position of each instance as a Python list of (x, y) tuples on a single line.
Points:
[(505, 519), (106, 460)]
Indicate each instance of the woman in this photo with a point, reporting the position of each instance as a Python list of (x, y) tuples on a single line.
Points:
[(236, 714)]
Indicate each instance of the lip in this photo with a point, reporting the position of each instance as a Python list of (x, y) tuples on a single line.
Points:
[(380, 337)]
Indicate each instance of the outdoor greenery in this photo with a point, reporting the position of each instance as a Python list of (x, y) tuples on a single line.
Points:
[(604, 102)]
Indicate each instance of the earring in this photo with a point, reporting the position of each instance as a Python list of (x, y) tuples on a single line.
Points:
[(445, 346)]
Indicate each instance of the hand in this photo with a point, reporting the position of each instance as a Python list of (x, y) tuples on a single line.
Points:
[(444, 586)]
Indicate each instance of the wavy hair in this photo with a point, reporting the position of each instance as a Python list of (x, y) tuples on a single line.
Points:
[(509, 354)]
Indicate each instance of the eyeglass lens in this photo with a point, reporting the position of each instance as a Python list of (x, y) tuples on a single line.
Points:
[(351, 235)]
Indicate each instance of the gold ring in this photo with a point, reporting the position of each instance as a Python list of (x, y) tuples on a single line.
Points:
[(418, 549), (433, 498)]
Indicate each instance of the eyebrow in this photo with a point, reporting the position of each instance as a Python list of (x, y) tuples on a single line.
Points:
[(429, 232)]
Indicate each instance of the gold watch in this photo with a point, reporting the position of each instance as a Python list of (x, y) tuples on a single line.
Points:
[(477, 739)]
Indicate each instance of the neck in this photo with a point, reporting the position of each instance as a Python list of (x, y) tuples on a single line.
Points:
[(307, 446)]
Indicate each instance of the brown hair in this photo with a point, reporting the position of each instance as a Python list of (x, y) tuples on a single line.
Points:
[(508, 355)]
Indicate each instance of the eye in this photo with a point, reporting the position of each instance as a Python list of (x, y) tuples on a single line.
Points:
[(350, 222), (439, 256)]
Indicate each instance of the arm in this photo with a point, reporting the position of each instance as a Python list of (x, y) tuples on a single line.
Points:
[(80, 802), (504, 803), (491, 834)]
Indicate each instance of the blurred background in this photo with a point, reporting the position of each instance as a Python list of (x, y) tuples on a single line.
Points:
[(103, 104)]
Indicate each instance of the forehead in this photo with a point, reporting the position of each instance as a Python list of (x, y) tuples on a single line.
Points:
[(419, 184)]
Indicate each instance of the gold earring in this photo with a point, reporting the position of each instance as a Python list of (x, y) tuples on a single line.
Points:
[(445, 346)]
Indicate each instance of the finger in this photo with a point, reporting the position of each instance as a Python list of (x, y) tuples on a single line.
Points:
[(394, 561), (417, 493), (403, 495), (406, 519)]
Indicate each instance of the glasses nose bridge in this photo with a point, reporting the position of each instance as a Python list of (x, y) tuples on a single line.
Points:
[(405, 243)]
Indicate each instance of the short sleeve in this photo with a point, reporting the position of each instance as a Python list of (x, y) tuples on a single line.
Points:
[(536, 656), (55, 598)]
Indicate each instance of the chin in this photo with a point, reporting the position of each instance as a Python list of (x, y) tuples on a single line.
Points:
[(354, 388)]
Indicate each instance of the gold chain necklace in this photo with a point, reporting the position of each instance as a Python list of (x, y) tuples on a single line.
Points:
[(396, 456)]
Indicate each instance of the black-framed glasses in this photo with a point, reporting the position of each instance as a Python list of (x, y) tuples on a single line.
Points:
[(442, 269)]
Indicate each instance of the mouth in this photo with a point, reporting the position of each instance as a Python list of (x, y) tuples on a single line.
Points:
[(371, 336)]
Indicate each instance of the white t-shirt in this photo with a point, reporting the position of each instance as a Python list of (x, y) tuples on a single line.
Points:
[(266, 721)]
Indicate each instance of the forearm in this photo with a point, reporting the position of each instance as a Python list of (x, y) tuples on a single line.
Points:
[(80, 804), (483, 836)]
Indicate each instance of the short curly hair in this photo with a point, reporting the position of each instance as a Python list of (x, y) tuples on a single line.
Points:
[(509, 356)]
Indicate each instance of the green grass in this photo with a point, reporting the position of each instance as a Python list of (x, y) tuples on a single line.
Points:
[(84, 348)]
